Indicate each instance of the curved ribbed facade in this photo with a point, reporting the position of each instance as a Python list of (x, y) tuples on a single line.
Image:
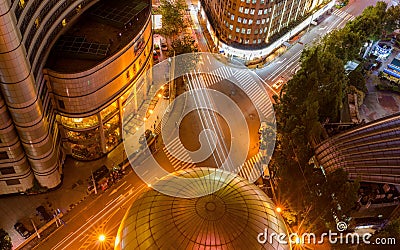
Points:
[(238, 215), (371, 151), (33, 101)]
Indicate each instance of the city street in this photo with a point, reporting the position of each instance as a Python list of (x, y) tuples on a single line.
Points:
[(102, 213)]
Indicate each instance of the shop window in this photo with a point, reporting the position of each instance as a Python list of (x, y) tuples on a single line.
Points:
[(8, 170), (105, 113), (4, 155), (112, 132), (13, 182), (85, 122)]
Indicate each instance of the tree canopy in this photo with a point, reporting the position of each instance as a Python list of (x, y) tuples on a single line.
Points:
[(173, 21), (5, 240)]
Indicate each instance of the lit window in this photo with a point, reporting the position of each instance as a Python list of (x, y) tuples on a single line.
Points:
[(265, 29), (64, 22), (231, 27), (252, 11), (256, 31), (241, 9), (244, 20), (262, 1), (261, 31), (250, 21), (259, 41), (239, 19), (260, 12), (247, 1), (230, 36), (247, 41), (246, 11), (265, 11), (263, 20), (254, 1), (237, 30), (22, 3), (248, 31), (37, 23), (258, 21), (243, 30), (233, 17), (254, 41)]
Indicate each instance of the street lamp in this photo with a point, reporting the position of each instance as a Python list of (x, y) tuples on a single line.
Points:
[(102, 237)]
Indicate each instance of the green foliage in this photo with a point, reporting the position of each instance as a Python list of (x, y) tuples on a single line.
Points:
[(172, 17), (5, 240), (356, 78)]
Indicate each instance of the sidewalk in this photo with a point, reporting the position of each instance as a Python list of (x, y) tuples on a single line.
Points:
[(71, 193)]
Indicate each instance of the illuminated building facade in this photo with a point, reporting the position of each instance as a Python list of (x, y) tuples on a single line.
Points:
[(252, 25), (66, 70)]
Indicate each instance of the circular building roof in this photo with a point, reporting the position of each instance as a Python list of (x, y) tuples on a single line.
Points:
[(230, 218)]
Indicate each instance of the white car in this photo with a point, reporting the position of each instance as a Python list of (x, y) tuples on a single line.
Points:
[(278, 84)]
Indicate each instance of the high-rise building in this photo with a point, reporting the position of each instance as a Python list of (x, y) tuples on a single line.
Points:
[(245, 28), (66, 67)]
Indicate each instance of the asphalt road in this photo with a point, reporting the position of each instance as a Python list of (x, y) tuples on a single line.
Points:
[(102, 213)]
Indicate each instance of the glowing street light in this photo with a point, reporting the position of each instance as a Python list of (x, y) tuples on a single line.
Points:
[(278, 209), (102, 237)]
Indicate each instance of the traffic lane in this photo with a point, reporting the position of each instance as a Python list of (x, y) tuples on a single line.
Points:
[(89, 211)]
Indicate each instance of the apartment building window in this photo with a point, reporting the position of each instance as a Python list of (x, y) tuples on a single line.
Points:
[(246, 11), (239, 19), (61, 104), (265, 29), (256, 31), (252, 11), (243, 30), (262, 1), (232, 17), (254, 41), (244, 20), (8, 170), (265, 11), (254, 1), (263, 20), (4, 155), (258, 21), (250, 21), (237, 30), (260, 11), (247, 1), (259, 41), (261, 31), (231, 27), (13, 182), (241, 9), (247, 41), (248, 31)]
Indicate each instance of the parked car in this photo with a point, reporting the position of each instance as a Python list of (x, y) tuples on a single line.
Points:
[(99, 174), (43, 213), (21, 229), (278, 84), (155, 57)]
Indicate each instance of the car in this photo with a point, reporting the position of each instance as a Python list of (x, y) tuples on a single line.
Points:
[(21, 229), (99, 174), (43, 213), (155, 56), (278, 84)]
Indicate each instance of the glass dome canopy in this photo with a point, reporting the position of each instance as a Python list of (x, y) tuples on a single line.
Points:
[(230, 218)]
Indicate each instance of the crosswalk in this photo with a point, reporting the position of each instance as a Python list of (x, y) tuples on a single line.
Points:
[(215, 76), (252, 168), (255, 93), (343, 14), (181, 152)]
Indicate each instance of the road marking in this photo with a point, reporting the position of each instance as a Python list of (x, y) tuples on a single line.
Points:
[(128, 187), (281, 61)]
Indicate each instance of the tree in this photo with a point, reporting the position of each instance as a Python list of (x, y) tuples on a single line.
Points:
[(172, 17), (392, 20), (5, 240), (356, 78)]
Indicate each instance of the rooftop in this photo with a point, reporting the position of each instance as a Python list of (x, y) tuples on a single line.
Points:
[(99, 32)]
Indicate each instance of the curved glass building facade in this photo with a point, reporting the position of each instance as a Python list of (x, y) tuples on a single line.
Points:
[(65, 73), (230, 218)]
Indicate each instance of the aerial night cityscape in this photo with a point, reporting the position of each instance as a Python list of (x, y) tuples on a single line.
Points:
[(199, 124)]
